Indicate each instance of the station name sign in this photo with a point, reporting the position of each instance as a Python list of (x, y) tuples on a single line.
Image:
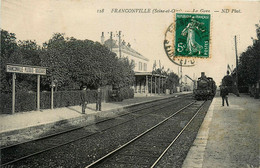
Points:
[(25, 69)]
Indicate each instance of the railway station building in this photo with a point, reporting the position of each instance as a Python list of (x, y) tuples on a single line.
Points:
[(145, 82)]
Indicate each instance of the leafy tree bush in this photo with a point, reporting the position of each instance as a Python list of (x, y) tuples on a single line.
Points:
[(23, 52), (74, 63), (24, 101), (71, 62), (249, 69), (120, 94), (126, 93), (172, 79), (8, 47), (5, 103)]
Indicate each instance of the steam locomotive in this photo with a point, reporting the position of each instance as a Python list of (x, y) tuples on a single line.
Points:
[(206, 88)]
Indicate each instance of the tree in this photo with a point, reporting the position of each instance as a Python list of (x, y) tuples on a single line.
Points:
[(248, 68), (123, 74), (8, 47), (23, 52), (69, 61), (74, 63), (172, 81)]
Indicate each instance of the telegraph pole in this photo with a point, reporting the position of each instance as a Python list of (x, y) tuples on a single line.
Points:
[(111, 41), (119, 45), (236, 66), (181, 78)]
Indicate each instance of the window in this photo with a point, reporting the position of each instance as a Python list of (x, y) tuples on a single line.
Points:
[(145, 67), (140, 66)]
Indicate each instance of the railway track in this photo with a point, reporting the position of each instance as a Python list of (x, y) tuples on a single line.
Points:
[(15, 153), (147, 149)]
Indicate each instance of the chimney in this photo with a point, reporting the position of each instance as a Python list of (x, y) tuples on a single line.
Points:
[(102, 38), (129, 45), (202, 74)]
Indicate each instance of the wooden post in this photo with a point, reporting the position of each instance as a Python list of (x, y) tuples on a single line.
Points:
[(159, 85), (154, 84), (181, 79), (162, 86), (151, 84), (237, 91), (52, 98), (52, 89), (53, 85), (13, 94), (38, 92), (146, 84)]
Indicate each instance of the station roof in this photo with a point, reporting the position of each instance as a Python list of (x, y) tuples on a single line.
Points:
[(124, 47)]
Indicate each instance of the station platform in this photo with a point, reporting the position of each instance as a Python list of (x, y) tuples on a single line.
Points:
[(26, 125), (228, 136)]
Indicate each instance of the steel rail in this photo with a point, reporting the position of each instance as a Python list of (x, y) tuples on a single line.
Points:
[(63, 144), (137, 137), (163, 153)]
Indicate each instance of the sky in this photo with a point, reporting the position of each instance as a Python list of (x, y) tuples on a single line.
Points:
[(38, 20)]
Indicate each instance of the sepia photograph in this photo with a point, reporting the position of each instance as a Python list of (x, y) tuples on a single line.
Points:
[(130, 83)]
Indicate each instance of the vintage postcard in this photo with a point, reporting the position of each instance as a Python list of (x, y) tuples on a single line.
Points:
[(129, 83)]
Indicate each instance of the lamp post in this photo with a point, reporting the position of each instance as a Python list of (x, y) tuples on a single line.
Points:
[(111, 41), (236, 67), (119, 44), (181, 76), (53, 84)]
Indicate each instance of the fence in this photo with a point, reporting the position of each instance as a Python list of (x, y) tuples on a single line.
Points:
[(26, 101)]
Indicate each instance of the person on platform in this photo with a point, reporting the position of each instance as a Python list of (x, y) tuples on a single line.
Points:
[(224, 95), (98, 99), (83, 98)]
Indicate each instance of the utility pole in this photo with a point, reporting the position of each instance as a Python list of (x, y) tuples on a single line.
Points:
[(111, 41), (236, 67), (181, 77), (119, 44), (102, 38)]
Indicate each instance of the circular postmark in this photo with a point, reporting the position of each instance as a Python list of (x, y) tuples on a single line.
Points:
[(187, 39), (169, 47)]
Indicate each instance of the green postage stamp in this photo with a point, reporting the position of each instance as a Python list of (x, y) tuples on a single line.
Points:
[(188, 38)]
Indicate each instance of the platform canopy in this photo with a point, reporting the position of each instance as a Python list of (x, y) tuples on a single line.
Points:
[(149, 74)]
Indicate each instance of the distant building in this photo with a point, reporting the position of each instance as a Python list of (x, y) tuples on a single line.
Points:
[(142, 76), (124, 50)]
